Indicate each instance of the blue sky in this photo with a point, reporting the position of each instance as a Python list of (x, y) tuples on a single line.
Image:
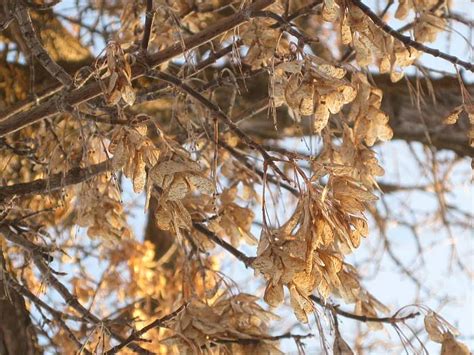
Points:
[(389, 286)]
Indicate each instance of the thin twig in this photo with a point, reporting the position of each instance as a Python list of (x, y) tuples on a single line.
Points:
[(148, 24), (407, 41), (215, 110), (56, 181), (360, 318), (267, 338), (70, 300), (34, 45), (158, 323), (58, 316), (238, 254), (12, 123)]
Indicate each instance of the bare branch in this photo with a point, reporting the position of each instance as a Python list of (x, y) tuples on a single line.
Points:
[(55, 182), (248, 262), (407, 41), (158, 323), (63, 291), (216, 111), (93, 90), (148, 23), (238, 254), (34, 45), (360, 318)]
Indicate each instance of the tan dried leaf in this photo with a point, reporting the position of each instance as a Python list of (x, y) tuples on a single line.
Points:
[(274, 294), (321, 118), (301, 306), (331, 71), (330, 11), (202, 184), (340, 347), (346, 33), (299, 95), (453, 116), (434, 327), (363, 53), (450, 346), (128, 95), (177, 190)]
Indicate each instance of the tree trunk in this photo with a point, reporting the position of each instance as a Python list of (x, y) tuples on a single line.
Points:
[(416, 107), (17, 334)]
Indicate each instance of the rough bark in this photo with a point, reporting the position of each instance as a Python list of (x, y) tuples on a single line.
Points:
[(416, 107), (161, 239), (17, 334)]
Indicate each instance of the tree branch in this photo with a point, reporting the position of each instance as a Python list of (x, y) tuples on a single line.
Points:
[(238, 254), (248, 263), (407, 41), (10, 124), (360, 318), (56, 181), (216, 111), (70, 300), (34, 45), (158, 323), (148, 23)]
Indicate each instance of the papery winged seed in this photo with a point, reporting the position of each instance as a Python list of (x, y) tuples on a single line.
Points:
[(305, 281), (172, 167), (346, 33), (290, 67), (295, 249), (321, 118), (396, 76), (119, 159), (451, 346), (453, 116), (141, 130), (402, 10), (163, 218), (349, 93), (274, 294), (331, 71), (363, 54), (361, 225), (324, 288), (114, 97), (351, 205), (112, 81), (354, 237), (139, 176), (332, 263), (434, 327), (278, 94), (192, 166), (300, 96), (334, 102), (128, 95), (113, 219), (160, 171), (297, 303), (330, 11), (385, 66), (202, 184), (184, 216), (340, 347), (177, 190)]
